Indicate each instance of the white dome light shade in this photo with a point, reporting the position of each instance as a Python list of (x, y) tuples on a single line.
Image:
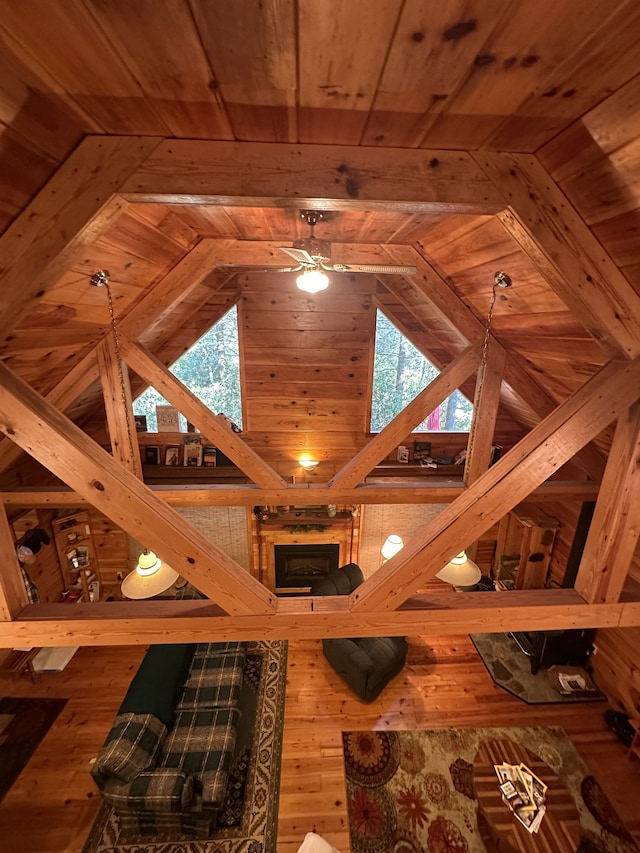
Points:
[(307, 462), (392, 545), (461, 571), (312, 281), (150, 577)]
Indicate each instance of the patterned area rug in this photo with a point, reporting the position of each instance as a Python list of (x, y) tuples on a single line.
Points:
[(23, 724), (511, 670), (410, 792), (248, 822)]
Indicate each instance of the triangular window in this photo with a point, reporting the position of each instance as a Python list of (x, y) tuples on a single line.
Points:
[(400, 372), (210, 370)]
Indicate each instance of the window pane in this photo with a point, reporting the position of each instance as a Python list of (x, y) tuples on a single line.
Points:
[(400, 372), (210, 370)]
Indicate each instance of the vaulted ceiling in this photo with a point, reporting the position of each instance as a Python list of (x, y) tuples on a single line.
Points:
[(391, 123)]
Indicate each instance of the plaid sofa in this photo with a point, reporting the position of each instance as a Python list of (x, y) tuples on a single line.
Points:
[(165, 763)]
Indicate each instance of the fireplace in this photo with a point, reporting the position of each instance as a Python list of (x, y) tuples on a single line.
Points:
[(298, 566)]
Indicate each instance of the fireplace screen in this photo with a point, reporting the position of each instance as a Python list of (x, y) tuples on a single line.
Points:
[(298, 566)]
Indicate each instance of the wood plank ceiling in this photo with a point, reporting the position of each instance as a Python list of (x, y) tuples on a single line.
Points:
[(447, 78)]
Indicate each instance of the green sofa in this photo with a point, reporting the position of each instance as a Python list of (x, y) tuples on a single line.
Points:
[(165, 763)]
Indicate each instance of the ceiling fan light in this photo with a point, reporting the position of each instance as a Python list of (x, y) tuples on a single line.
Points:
[(312, 281)]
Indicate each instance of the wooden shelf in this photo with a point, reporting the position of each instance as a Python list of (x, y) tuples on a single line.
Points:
[(411, 470), (155, 475), (74, 541)]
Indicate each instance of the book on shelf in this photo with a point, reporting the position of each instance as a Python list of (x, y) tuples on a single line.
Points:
[(172, 454), (209, 456), (192, 454), (152, 455), (168, 419)]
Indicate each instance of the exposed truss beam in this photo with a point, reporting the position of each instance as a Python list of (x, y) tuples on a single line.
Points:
[(454, 311), (214, 429), (64, 218), (48, 436), (534, 458), (547, 227), (158, 301), (116, 390), (615, 526), (13, 593), (485, 413), (408, 419), (329, 176), (407, 492), (125, 623)]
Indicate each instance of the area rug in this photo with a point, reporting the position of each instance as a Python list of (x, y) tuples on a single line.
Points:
[(413, 791), (511, 670), (248, 821), (23, 724)]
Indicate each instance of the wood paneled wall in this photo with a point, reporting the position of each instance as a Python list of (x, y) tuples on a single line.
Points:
[(595, 162)]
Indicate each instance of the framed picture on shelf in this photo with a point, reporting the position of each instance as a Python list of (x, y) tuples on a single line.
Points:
[(141, 423), (172, 454), (168, 419), (152, 455)]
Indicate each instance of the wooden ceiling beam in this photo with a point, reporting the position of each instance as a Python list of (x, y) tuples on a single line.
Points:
[(330, 176), (161, 300), (539, 454), (116, 390), (64, 218), (485, 413), (13, 593), (213, 428), (157, 302), (52, 439), (547, 227), (129, 623), (66, 392), (454, 311), (407, 420), (615, 529), (408, 492)]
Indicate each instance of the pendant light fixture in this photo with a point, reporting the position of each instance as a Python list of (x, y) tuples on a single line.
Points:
[(460, 571), (150, 577)]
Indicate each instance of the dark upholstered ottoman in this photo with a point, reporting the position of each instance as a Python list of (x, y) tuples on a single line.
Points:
[(367, 664)]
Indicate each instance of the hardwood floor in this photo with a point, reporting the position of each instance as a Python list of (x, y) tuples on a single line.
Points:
[(52, 805)]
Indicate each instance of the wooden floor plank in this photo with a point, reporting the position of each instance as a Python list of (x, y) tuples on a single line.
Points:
[(53, 803)]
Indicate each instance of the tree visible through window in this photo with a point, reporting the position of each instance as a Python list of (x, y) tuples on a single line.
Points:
[(210, 370), (400, 372)]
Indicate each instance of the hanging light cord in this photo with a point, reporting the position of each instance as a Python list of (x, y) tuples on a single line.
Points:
[(502, 280), (101, 279)]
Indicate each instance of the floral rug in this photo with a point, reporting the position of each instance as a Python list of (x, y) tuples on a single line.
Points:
[(248, 821), (410, 792)]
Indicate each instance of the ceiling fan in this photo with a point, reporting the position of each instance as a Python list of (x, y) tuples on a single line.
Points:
[(313, 256)]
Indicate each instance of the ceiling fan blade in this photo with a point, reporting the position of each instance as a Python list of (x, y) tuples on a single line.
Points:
[(387, 269), (299, 255), (259, 268)]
